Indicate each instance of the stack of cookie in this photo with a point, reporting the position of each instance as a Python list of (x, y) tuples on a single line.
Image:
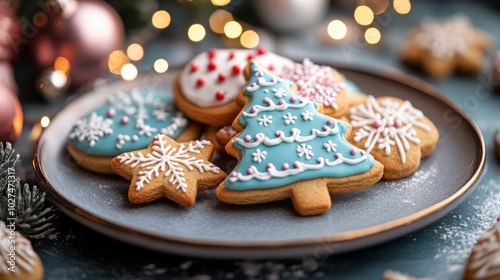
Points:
[(294, 128)]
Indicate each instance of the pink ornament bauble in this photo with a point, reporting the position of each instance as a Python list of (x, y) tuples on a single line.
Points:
[(11, 115), (84, 32), (10, 33)]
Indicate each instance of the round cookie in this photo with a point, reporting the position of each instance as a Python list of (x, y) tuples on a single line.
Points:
[(394, 132), (19, 260), (206, 88), (127, 121), (287, 149), (320, 84), (484, 260), (440, 48)]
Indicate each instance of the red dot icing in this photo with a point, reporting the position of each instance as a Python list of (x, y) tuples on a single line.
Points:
[(231, 55), (250, 171), (200, 82), (397, 123), (325, 128), (269, 165), (270, 67), (221, 78), (293, 99), (330, 121), (236, 70), (194, 67), (296, 164), (219, 95), (498, 219), (250, 56), (352, 152), (261, 51), (285, 166), (212, 53), (212, 66), (234, 174), (377, 123)]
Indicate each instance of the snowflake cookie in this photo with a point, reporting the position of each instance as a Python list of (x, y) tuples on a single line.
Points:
[(441, 47), (17, 257), (321, 84), (287, 149), (394, 132), (206, 88), (484, 260), (168, 169), (126, 122)]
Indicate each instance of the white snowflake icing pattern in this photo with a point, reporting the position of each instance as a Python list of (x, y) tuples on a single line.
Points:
[(307, 115), (133, 104), (305, 150), (265, 120), (386, 125), (177, 122), (314, 82), (259, 156), (445, 38), (330, 146), (486, 258), (289, 118), (92, 129), (166, 158), (279, 92)]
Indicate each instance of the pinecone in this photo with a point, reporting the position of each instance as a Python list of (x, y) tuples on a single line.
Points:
[(10, 33)]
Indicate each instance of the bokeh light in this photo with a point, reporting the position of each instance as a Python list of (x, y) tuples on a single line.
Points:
[(129, 72), (337, 29), (249, 39), (135, 52), (372, 35), (116, 61), (363, 15), (218, 19), (196, 32), (45, 121), (232, 29), (40, 19), (160, 65), (62, 64), (161, 19), (402, 6), (220, 3)]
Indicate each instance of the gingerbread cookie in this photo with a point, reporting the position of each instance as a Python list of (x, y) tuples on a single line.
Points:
[(484, 261), (287, 149), (394, 132), (126, 122), (318, 83), (19, 260), (206, 88), (168, 169), (441, 47)]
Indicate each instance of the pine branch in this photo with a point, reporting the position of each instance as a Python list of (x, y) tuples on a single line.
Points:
[(32, 218), (7, 164)]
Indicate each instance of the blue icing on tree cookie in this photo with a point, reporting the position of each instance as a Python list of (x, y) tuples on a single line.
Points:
[(285, 139), (127, 121)]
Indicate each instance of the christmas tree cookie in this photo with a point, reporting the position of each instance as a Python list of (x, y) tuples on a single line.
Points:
[(440, 48), (394, 132), (126, 122), (168, 169), (484, 261), (287, 149), (17, 257)]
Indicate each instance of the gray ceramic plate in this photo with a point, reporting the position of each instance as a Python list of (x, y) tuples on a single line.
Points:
[(216, 230)]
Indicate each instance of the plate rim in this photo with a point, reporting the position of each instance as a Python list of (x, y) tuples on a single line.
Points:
[(417, 219)]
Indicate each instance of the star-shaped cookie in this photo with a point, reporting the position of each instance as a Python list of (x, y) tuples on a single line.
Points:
[(169, 169)]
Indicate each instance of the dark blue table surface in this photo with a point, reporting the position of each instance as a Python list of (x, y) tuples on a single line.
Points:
[(437, 251)]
